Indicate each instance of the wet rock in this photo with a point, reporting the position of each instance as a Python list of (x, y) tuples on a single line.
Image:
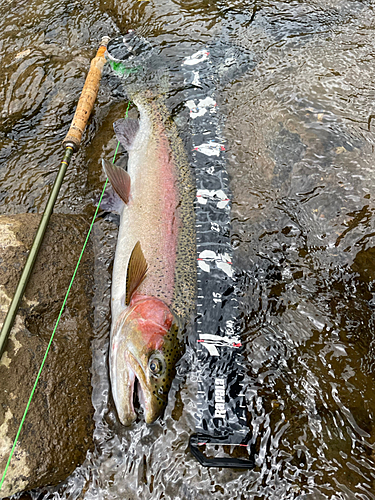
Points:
[(58, 428)]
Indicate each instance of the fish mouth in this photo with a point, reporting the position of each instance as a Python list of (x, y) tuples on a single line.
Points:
[(140, 392)]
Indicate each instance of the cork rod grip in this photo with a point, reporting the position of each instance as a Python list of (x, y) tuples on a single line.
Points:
[(87, 99)]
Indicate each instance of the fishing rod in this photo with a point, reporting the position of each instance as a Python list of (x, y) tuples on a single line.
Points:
[(71, 143)]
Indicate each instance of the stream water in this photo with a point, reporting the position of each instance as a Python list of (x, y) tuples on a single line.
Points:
[(299, 135)]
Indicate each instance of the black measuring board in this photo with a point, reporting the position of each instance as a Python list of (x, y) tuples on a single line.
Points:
[(221, 400), (221, 416)]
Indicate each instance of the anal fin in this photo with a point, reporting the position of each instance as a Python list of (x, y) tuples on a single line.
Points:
[(126, 129)]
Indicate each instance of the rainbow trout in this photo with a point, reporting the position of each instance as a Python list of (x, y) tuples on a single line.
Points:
[(154, 273)]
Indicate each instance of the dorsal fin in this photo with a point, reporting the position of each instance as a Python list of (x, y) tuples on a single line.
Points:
[(126, 129), (137, 270), (119, 179)]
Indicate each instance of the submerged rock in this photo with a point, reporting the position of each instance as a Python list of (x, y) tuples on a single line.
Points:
[(58, 428)]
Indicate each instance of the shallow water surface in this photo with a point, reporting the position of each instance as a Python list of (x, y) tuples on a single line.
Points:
[(299, 135)]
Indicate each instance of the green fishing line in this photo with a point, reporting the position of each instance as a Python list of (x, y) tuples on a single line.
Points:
[(57, 322)]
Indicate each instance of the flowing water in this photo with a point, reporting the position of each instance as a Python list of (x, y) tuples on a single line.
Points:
[(300, 149)]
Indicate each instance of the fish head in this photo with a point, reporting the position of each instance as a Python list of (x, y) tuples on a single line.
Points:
[(147, 349)]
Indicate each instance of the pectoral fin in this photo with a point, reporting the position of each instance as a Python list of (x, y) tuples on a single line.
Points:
[(137, 270), (119, 179)]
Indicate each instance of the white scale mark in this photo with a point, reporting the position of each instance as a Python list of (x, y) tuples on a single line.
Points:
[(203, 195), (196, 81), (212, 342), (202, 107), (196, 58), (222, 261), (210, 148)]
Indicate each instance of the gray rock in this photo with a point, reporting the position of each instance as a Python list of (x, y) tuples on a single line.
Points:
[(58, 428)]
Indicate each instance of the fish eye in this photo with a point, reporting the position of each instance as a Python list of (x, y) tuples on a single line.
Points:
[(156, 365)]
